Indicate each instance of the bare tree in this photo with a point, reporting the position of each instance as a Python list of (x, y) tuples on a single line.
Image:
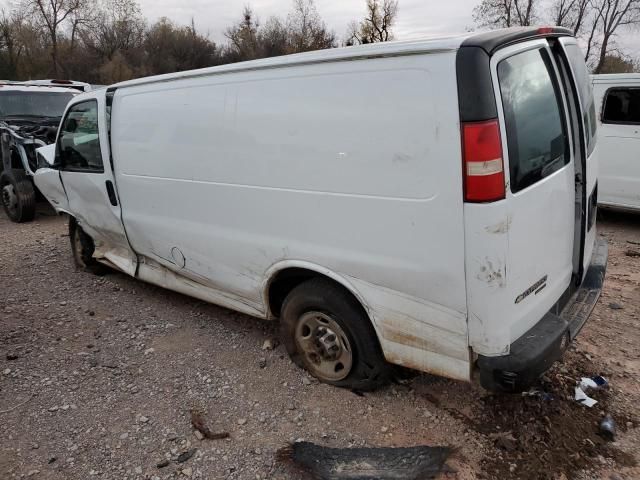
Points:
[(612, 15), (53, 14), (505, 13), (306, 29), (571, 13), (10, 42), (243, 38), (274, 38), (171, 48), (377, 26), (118, 27), (109, 40), (594, 19)]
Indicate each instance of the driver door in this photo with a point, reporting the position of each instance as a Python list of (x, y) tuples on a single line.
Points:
[(83, 154)]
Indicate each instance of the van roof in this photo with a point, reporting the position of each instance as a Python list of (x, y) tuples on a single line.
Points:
[(489, 41), (21, 87)]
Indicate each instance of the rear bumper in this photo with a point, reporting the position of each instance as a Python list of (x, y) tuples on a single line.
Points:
[(534, 352)]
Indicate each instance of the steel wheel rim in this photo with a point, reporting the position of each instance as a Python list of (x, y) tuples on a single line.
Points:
[(9, 198), (324, 346)]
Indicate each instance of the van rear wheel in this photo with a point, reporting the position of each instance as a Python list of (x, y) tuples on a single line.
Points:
[(18, 196), (326, 332)]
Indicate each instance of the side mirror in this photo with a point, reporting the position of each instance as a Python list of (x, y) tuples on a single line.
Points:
[(71, 126), (46, 156)]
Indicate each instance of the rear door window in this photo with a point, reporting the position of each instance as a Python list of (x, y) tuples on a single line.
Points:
[(585, 90), (622, 106), (534, 118)]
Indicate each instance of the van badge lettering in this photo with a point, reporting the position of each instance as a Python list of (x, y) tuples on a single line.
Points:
[(536, 287)]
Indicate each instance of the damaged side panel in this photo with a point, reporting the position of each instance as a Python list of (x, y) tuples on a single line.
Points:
[(157, 274), (486, 250), (48, 182), (418, 334), (90, 184)]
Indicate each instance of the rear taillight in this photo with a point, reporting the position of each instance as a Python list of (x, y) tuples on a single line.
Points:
[(482, 161)]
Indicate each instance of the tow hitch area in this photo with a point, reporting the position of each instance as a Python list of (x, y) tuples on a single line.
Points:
[(533, 353)]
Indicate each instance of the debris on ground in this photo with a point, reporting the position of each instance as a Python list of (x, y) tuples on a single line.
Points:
[(197, 421), (326, 463), (184, 456), (538, 393), (270, 344), (608, 428), (504, 440), (584, 399), (586, 384)]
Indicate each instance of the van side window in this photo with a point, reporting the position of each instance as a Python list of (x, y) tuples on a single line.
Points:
[(622, 106), (534, 118), (79, 142)]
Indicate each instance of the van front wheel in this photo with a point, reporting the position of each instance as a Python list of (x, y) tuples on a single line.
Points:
[(82, 248), (326, 332)]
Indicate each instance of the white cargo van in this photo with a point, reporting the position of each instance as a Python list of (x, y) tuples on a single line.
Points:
[(429, 204), (618, 102)]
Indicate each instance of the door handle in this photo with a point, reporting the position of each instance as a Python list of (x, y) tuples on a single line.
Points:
[(111, 191)]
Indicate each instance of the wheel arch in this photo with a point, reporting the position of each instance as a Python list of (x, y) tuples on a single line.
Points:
[(285, 276)]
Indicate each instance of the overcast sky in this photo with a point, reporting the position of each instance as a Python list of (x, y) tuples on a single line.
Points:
[(416, 17)]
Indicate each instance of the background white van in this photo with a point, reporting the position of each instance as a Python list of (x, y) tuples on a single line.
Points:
[(618, 103), (429, 204)]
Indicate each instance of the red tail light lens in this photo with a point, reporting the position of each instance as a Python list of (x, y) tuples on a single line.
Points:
[(483, 164)]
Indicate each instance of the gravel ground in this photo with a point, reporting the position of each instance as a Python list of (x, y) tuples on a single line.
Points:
[(98, 376)]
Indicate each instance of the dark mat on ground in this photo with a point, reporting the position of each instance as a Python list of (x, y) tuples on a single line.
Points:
[(322, 463)]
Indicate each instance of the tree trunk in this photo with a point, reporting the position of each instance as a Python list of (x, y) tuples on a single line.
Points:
[(603, 54), (54, 57)]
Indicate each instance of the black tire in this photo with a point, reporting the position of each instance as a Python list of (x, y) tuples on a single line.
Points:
[(368, 369), (82, 249), (18, 196)]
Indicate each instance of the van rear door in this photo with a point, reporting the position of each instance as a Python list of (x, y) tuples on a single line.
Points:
[(585, 147), (540, 172)]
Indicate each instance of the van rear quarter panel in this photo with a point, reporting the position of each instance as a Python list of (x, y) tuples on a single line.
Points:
[(351, 166)]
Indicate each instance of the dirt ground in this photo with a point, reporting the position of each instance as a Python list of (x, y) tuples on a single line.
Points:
[(98, 376)]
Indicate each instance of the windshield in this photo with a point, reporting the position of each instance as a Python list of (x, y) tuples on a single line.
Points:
[(40, 104)]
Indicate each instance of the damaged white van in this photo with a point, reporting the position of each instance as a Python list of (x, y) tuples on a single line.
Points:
[(429, 204)]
